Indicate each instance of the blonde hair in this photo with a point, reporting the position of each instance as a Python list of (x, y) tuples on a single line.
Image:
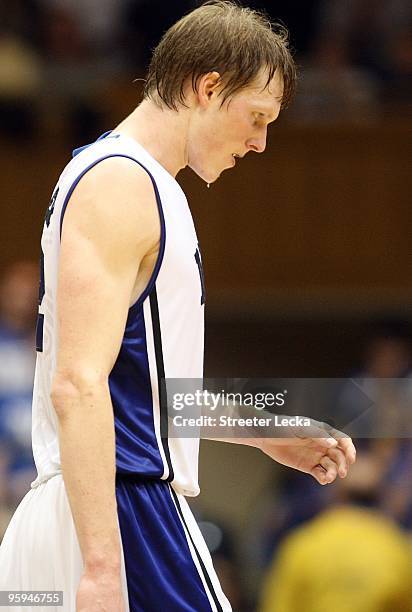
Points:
[(221, 36)]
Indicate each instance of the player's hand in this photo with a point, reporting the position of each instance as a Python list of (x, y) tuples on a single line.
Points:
[(318, 450), (100, 593)]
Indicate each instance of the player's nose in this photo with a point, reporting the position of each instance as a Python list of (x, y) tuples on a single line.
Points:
[(258, 145)]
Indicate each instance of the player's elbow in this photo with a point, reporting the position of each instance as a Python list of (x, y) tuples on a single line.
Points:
[(73, 388)]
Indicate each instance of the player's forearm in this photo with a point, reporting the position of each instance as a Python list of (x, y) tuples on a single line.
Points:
[(254, 442), (87, 449), (250, 435)]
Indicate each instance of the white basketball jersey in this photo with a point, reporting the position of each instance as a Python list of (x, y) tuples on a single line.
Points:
[(163, 337)]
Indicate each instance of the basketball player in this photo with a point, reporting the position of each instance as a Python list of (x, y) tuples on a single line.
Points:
[(121, 307)]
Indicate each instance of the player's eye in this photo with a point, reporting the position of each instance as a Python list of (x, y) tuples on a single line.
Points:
[(257, 119)]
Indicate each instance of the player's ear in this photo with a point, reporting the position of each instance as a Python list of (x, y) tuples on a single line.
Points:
[(208, 86)]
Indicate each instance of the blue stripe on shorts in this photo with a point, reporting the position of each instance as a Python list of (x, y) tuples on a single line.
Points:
[(160, 571)]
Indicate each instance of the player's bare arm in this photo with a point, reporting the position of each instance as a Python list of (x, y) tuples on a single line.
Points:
[(111, 229)]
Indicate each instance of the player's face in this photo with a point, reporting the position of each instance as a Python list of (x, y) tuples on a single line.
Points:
[(222, 133)]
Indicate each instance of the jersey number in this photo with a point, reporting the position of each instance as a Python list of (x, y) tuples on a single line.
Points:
[(42, 283)]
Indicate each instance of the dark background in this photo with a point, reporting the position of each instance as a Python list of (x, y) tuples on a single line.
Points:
[(306, 248)]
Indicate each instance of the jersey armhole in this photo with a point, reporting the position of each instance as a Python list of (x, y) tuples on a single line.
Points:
[(159, 259)]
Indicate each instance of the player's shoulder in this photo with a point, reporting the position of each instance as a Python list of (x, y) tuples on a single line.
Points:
[(115, 196), (116, 186), (117, 173)]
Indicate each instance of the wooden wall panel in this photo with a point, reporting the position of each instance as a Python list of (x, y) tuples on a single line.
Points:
[(324, 211), (320, 208)]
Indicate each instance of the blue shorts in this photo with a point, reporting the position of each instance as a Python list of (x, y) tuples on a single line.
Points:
[(168, 566)]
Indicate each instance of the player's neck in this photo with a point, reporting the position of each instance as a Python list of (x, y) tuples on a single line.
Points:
[(162, 132)]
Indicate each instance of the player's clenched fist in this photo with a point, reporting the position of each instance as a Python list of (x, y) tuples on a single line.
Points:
[(319, 450)]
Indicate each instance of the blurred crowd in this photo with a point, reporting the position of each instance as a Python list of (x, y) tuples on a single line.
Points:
[(346, 547), (18, 306), (62, 58)]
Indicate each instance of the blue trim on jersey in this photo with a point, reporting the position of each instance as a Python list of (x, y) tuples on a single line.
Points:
[(160, 571), (137, 449), (162, 246), (161, 382), (105, 135), (39, 332)]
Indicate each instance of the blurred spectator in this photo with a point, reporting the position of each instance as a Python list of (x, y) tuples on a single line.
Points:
[(376, 37), (368, 28), (388, 352), (333, 90), (95, 24), (386, 378), (18, 307), (349, 559), (20, 82), (396, 495), (82, 53), (359, 63)]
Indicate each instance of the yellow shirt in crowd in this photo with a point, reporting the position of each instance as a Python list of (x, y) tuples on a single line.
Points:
[(348, 559)]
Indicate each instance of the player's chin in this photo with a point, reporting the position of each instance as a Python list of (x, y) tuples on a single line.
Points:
[(208, 175)]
